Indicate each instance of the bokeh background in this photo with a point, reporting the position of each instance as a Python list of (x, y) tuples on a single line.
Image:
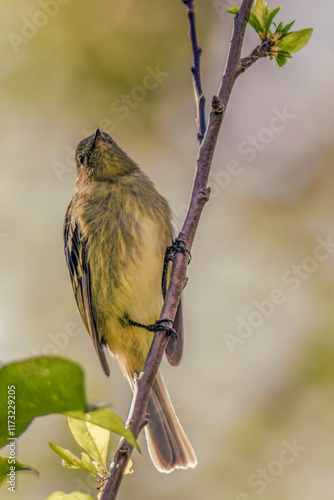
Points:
[(256, 400)]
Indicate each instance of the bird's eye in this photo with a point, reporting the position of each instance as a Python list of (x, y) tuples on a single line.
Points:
[(81, 159)]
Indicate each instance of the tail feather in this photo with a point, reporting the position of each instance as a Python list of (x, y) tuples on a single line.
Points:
[(168, 444)]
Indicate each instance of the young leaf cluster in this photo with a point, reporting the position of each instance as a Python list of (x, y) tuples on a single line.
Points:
[(91, 432), (282, 41)]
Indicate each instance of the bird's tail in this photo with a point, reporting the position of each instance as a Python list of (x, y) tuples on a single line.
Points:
[(168, 444)]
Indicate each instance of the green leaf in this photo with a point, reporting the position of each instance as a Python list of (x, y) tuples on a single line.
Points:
[(107, 419), (271, 18), (294, 41), (71, 461), (7, 466), (254, 22), (260, 12), (42, 385), (279, 27), (286, 28), (92, 438), (280, 59), (86, 463), (59, 495), (233, 10)]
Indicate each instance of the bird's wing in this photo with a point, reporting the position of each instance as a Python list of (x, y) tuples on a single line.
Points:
[(174, 347), (78, 265)]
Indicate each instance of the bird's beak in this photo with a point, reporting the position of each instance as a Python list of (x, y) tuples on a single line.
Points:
[(98, 137)]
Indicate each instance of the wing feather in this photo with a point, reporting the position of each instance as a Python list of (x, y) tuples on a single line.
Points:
[(174, 348), (79, 269)]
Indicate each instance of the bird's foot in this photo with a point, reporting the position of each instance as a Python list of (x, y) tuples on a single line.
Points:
[(178, 246), (159, 325)]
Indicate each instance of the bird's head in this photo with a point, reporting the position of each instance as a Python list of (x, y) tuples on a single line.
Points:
[(99, 158)]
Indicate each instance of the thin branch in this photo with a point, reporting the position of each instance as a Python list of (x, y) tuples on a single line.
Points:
[(206, 150), (263, 50), (196, 71), (200, 196)]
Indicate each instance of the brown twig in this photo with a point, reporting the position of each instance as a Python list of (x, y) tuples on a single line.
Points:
[(263, 50), (200, 195), (196, 71)]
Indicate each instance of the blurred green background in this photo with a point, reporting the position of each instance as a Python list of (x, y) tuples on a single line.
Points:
[(242, 400)]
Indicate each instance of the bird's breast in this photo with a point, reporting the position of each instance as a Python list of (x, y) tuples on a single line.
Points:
[(126, 254)]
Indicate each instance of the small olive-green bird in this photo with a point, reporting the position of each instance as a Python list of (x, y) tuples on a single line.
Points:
[(116, 231)]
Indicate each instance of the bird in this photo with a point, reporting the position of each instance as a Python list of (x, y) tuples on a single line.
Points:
[(116, 230)]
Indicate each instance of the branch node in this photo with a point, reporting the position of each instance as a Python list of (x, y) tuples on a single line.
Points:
[(145, 421), (263, 50), (122, 452), (205, 194), (217, 106), (128, 423)]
